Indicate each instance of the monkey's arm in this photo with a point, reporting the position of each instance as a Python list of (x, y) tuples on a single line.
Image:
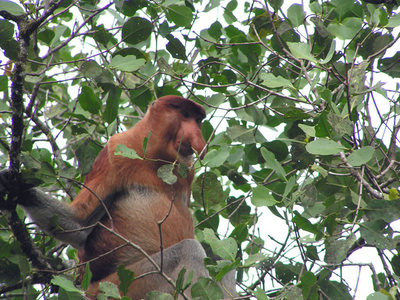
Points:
[(54, 217)]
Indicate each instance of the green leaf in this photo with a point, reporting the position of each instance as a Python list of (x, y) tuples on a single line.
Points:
[(301, 51), (89, 101), (46, 36), (360, 156), (357, 83), (125, 151), (216, 158), (127, 63), (395, 262), (241, 134), (286, 273), (296, 14), (324, 147), (304, 224), (394, 21), (289, 186), (294, 114), (309, 130), (372, 234), (262, 197), (330, 53), (207, 189), (6, 32), (156, 295), (176, 48), (340, 124), (272, 81), (379, 296), (276, 4), (182, 16), (11, 7), (60, 31), (236, 177), (65, 284), (381, 16), (109, 289), (228, 12), (308, 285), (87, 277), (112, 104), (347, 29), (211, 5), (183, 170), (260, 294), (320, 26), (215, 30), (319, 169), (104, 37), (136, 30), (86, 152), (223, 267), (312, 252), (273, 163), (337, 250), (216, 99), (166, 173), (230, 76), (390, 66), (206, 289), (335, 290), (255, 259), (278, 148), (91, 69), (145, 143), (181, 284), (226, 249), (232, 5), (207, 222), (9, 271), (393, 194), (125, 277), (10, 47)]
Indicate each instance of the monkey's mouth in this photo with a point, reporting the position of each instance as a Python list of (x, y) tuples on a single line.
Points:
[(185, 149)]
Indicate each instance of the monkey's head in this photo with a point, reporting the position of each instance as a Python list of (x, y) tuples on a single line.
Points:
[(176, 128)]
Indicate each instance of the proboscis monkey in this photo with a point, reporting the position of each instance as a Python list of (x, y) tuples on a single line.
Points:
[(137, 200)]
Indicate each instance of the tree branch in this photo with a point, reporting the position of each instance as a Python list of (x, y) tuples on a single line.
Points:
[(366, 185)]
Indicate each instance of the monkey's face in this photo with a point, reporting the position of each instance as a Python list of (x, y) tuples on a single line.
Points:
[(177, 122), (182, 138)]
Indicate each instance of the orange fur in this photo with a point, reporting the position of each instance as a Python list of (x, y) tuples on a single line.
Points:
[(143, 199)]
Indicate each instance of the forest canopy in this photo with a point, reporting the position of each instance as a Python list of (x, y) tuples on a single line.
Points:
[(299, 190)]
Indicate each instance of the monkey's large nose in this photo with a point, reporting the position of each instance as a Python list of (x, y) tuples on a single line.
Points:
[(200, 147)]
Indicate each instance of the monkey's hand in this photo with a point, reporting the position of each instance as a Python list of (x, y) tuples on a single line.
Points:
[(13, 185)]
